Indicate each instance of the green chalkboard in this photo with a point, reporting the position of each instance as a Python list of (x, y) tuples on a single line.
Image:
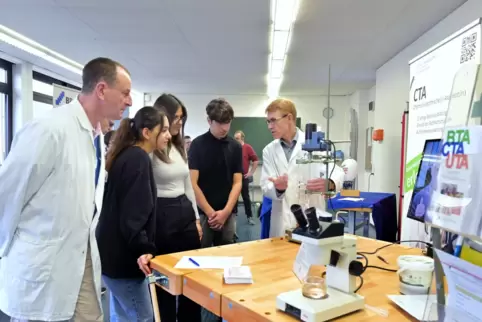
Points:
[(256, 132)]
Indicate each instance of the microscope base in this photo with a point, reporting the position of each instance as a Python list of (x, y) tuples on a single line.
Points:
[(304, 309)]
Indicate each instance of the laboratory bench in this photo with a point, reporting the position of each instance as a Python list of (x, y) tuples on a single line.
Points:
[(271, 262)]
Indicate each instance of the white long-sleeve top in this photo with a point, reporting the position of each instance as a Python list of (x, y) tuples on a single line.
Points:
[(173, 179)]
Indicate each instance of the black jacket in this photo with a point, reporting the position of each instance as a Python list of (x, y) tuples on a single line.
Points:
[(126, 228)]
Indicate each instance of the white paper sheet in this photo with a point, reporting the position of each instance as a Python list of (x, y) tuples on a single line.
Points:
[(464, 281), (351, 199), (220, 262), (415, 305)]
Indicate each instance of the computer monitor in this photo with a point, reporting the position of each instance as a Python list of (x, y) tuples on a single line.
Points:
[(426, 181)]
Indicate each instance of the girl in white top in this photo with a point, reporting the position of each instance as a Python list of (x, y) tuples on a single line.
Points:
[(178, 228)]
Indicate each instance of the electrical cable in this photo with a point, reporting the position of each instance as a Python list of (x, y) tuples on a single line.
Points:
[(343, 219), (374, 266), (395, 243), (363, 254), (361, 284)]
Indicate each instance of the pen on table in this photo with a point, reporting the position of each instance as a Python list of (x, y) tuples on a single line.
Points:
[(194, 262), (383, 259)]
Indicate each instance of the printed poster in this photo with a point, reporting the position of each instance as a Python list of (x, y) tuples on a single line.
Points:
[(431, 90)]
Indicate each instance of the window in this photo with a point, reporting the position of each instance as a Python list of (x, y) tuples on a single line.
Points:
[(3, 75), (6, 107), (43, 90)]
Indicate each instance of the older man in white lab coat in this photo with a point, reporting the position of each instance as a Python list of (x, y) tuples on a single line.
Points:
[(279, 170), (51, 191)]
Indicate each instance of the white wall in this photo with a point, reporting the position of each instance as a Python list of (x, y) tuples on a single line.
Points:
[(137, 103), (309, 108), (392, 88), (359, 102)]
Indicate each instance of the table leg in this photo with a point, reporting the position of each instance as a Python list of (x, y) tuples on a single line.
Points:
[(351, 222), (366, 224)]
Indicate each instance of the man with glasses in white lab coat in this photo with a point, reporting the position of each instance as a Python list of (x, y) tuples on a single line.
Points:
[(278, 174), (50, 201)]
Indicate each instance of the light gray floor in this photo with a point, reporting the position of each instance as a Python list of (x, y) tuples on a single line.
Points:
[(245, 232)]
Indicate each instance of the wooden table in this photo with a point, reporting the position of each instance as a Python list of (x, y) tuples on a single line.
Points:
[(271, 262)]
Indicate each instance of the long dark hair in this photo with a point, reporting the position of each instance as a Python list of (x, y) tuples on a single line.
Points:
[(169, 104), (129, 132)]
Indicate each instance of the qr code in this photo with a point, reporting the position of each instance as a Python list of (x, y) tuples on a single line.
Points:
[(469, 46)]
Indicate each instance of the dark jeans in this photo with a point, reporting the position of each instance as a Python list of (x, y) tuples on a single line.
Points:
[(211, 237), (176, 232), (246, 197)]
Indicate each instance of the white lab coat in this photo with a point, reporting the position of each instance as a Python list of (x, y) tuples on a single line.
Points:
[(274, 165), (47, 196)]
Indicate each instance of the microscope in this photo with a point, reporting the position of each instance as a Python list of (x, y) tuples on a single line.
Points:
[(323, 242)]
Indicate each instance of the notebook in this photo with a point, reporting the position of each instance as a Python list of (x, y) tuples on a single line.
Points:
[(238, 275)]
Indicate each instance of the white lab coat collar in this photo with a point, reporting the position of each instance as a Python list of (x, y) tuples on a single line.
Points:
[(300, 139), (84, 121)]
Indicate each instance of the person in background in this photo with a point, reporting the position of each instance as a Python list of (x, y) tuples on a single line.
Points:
[(127, 225), (187, 143), (216, 167), (278, 175), (108, 138), (106, 126), (249, 159), (50, 195), (178, 227)]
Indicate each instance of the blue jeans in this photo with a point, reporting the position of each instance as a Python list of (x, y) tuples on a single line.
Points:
[(130, 300)]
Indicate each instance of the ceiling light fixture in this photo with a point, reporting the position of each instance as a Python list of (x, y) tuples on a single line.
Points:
[(277, 66), (283, 16), (32, 47), (21, 42)]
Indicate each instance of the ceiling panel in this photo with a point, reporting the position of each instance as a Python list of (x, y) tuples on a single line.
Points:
[(222, 46), (352, 33)]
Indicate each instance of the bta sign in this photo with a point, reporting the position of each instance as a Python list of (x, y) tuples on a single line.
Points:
[(63, 95)]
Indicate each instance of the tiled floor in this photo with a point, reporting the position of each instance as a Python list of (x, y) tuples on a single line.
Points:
[(245, 232)]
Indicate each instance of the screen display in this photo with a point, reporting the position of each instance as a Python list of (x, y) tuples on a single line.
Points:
[(426, 180)]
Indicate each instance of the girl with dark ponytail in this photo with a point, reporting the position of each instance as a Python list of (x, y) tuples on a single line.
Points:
[(127, 223)]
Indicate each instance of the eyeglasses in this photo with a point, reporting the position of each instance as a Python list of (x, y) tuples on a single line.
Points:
[(275, 120), (178, 119)]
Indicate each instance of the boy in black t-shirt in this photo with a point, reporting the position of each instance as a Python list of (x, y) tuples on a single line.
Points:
[(215, 163)]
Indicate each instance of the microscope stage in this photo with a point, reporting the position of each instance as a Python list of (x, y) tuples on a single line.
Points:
[(304, 309)]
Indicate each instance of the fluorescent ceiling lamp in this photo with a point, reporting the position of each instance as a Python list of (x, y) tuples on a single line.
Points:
[(280, 44), (21, 42), (21, 45), (283, 15), (285, 12), (277, 66), (274, 85)]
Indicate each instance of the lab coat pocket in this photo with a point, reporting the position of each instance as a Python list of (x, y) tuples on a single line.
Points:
[(32, 262)]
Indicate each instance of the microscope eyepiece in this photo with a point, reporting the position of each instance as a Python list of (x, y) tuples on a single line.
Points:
[(312, 219), (299, 216)]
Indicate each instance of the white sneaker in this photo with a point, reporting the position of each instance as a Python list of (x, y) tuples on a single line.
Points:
[(251, 221)]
